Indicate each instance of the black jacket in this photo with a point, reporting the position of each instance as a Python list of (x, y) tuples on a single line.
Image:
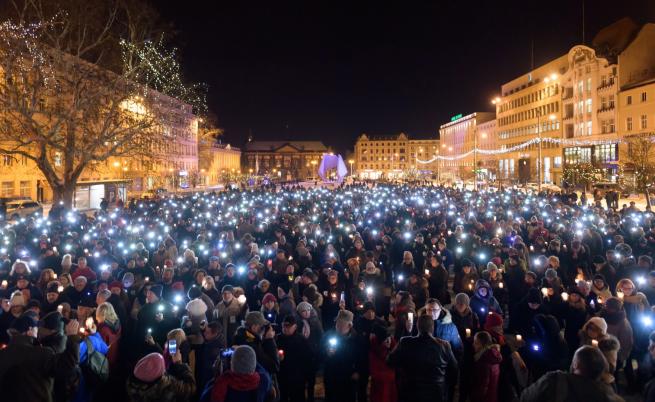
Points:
[(297, 357), (27, 370), (265, 349), (426, 366)]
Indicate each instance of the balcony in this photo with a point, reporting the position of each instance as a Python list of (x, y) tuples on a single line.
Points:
[(605, 85), (608, 108)]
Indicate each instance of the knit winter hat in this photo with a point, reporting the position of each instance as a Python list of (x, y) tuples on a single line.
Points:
[(304, 306), (244, 360), (150, 368), (268, 297), (116, 284), (17, 299), (551, 273), (599, 323), (53, 321), (493, 320), (194, 292), (157, 290), (196, 307), (463, 299)]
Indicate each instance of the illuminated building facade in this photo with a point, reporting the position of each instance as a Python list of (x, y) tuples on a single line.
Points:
[(394, 156)]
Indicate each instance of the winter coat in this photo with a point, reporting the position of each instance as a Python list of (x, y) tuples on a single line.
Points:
[(568, 388), (486, 371), (383, 377), (177, 384), (575, 316), (206, 355), (111, 334), (230, 316), (233, 387), (425, 367), (340, 362), (27, 370), (481, 306), (619, 326), (265, 349), (295, 358)]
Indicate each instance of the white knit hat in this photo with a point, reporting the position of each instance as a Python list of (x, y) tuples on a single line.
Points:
[(17, 299), (599, 323), (196, 307)]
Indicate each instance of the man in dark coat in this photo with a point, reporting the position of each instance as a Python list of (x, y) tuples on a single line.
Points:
[(209, 351), (582, 383), (341, 361), (364, 325), (426, 365), (27, 370), (294, 360), (257, 333)]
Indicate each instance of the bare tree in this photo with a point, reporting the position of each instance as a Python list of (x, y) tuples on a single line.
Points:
[(82, 81), (640, 161)]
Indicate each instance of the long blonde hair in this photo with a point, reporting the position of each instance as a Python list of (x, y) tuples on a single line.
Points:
[(106, 312)]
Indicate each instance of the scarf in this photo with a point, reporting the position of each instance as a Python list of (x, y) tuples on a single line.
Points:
[(232, 380), (305, 329)]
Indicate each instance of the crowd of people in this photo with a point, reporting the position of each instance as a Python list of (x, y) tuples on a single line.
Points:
[(381, 292)]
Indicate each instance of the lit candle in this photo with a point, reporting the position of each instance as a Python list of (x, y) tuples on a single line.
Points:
[(410, 317), (4, 284), (544, 291), (60, 308), (620, 294), (519, 338), (565, 296), (468, 332), (427, 272), (501, 285), (594, 343)]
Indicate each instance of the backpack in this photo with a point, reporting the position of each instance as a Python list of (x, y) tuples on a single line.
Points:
[(96, 367)]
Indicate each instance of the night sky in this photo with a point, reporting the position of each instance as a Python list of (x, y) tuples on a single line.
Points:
[(331, 70)]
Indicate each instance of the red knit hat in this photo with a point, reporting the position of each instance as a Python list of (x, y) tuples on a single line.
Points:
[(497, 261), (116, 284), (268, 297), (150, 368), (493, 320)]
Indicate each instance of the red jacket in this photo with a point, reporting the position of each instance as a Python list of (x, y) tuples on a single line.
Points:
[(383, 377), (111, 334), (486, 371)]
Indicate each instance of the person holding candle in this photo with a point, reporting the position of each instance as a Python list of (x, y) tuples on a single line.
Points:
[(294, 360), (341, 360), (618, 326), (483, 301), (575, 313), (594, 333)]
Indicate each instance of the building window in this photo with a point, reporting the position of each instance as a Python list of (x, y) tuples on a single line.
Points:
[(610, 102), (57, 158), (605, 153), (7, 188), (644, 97), (557, 162), (603, 103), (628, 123), (589, 127), (610, 126), (644, 121), (628, 100), (588, 102), (25, 188), (588, 85), (603, 126)]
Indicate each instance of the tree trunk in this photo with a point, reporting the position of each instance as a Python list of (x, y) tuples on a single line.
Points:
[(648, 206), (64, 193)]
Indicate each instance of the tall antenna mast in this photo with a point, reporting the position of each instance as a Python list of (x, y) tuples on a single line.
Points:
[(583, 23)]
